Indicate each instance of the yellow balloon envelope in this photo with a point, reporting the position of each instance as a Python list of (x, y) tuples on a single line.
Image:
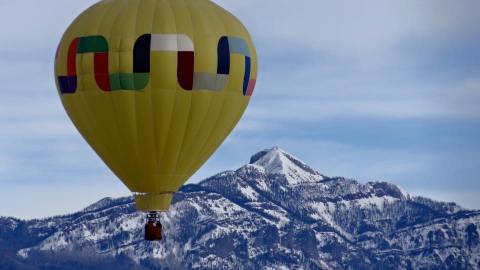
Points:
[(155, 86)]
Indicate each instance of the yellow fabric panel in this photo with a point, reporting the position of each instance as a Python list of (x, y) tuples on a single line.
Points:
[(155, 138)]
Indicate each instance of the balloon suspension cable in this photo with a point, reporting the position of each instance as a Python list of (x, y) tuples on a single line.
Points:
[(153, 227)]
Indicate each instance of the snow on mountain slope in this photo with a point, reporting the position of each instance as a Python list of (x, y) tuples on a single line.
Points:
[(277, 162), (274, 213)]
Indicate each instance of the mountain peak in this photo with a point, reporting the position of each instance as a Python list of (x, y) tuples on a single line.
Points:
[(277, 161), (267, 152)]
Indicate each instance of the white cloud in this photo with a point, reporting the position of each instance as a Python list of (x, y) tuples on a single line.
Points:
[(361, 58), (352, 27)]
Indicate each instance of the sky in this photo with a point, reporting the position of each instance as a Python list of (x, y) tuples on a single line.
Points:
[(372, 90)]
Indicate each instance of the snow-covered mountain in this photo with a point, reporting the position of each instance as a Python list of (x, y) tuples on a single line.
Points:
[(274, 213)]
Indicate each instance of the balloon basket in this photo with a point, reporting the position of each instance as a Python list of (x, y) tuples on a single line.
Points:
[(153, 227)]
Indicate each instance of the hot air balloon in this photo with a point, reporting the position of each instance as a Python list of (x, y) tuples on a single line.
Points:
[(155, 87)]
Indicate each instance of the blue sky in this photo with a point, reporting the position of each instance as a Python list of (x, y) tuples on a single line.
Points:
[(373, 90)]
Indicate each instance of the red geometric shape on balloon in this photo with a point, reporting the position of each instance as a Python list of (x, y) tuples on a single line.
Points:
[(186, 69), (72, 58), (251, 87), (101, 71)]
